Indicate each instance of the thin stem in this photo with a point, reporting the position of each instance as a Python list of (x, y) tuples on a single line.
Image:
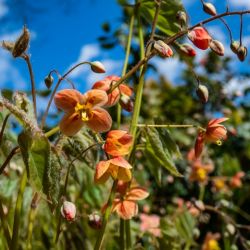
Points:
[(202, 192), (5, 226), (229, 30), (157, 11), (3, 126), (55, 89), (166, 125), (17, 216), (241, 28), (122, 234), (9, 157), (125, 65), (106, 217), (32, 80), (52, 131)]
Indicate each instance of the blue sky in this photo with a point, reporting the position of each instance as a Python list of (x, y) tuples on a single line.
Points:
[(64, 34)]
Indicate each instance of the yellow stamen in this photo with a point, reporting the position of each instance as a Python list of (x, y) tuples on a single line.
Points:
[(82, 110), (219, 142)]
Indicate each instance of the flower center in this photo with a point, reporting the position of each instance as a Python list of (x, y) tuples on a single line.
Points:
[(83, 110)]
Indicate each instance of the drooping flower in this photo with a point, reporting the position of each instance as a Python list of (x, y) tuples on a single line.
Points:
[(215, 133), (122, 93), (68, 210), (211, 242), (150, 223), (83, 109), (126, 205), (236, 180), (200, 37), (117, 167), (118, 143)]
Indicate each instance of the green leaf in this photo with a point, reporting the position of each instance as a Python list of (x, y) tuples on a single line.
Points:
[(35, 149), (161, 155), (168, 142), (167, 16)]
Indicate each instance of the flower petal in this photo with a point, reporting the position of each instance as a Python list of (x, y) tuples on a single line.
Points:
[(216, 122), (124, 174), (199, 144), (71, 123), (126, 209), (120, 162), (136, 194), (101, 173), (67, 99), (126, 90), (96, 97), (100, 120)]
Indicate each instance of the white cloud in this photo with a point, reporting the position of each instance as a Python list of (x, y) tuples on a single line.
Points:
[(236, 86), (3, 8), (240, 3), (170, 68)]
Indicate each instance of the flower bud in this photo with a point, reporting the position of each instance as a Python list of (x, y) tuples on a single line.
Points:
[(21, 43), (95, 221), (181, 17), (97, 67), (209, 9), (231, 228), (68, 210), (202, 93), (126, 103), (188, 50), (235, 46), (242, 53), (8, 45), (217, 47), (48, 81), (163, 49), (200, 37)]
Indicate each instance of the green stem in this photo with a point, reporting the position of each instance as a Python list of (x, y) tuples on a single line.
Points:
[(5, 226), (166, 125), (125, 65), (122, 234), (128, 235), (17, 216), (202, 192), (52, 131), (106, 217)]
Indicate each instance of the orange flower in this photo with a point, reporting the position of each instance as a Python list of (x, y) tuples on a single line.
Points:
[(200, 37), (219, 184), (118, 142), (211, 242), (200, 171), (117, 167), (235, 181), (126, 206), (83, 109), (123, 92), (215, 132)]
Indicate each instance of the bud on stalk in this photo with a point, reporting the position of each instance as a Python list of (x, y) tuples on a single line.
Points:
[(217, 47), (163, 49), (181, 17), (48, 81), (187, 50), (21, 43), (235, 46), (97, 67), (209, 9), (202, 93), (95, 221), (242, 53), (68, 210)]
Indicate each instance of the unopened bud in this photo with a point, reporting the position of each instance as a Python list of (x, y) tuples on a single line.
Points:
[(97, 67), (181, 16), (231, 228), (163, 49), (196, 233), (8, 45), (235, 46), (127, 103), (200, 205), (242, 53), (209, 9), (217, 47), (188, 50), (95, 221), (202, 93), (68, 210), (48, 81), (21, 43)]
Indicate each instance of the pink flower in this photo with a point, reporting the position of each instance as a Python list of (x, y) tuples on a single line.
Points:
[(83, 109), (68, 210), (150, 223), (200, 37)]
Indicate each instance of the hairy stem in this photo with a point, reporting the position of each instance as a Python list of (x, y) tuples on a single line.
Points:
[(4, 126)]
